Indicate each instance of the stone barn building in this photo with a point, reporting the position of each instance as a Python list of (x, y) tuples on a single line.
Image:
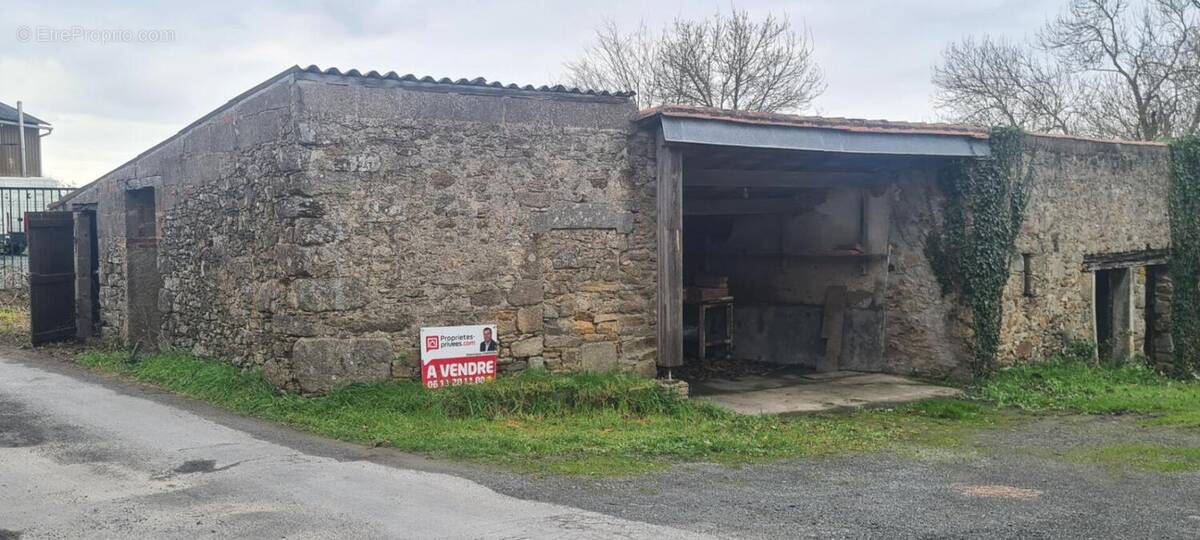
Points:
[(312, 225)]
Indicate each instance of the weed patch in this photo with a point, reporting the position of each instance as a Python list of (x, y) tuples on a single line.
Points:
[(14, 323), (536, 422), (605, 424), (1075, 386)]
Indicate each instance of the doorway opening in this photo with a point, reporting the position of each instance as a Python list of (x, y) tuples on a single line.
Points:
[(1113, 314), (784, 261), (143, 281), (87, 274)]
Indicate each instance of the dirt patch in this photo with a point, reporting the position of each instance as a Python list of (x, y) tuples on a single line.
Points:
[(201, 466), (998, 491), (18, 428), (726, 368)]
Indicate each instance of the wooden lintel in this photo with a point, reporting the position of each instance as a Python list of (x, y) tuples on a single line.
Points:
[(1125, 259)]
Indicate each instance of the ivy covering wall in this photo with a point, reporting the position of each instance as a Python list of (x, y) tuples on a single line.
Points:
[(984, 208), (1184, 209)]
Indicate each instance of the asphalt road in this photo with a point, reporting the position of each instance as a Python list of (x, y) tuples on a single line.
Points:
[(81, 457)]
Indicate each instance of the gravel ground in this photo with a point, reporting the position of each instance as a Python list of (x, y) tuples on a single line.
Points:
[(1007, 483)]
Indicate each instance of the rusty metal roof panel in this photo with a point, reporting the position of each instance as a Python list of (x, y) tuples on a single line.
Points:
[(853, 125)]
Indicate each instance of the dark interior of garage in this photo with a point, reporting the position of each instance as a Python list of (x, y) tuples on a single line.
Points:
[(785, 257)]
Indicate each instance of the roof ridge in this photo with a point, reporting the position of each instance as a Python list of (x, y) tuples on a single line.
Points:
[(477, 82)]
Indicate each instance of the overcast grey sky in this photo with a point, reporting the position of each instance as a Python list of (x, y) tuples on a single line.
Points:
[(110, 101)]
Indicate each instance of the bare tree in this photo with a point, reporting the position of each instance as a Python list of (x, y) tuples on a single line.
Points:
[(1100, 68), (727, 61), (993, 82), (619, 61)]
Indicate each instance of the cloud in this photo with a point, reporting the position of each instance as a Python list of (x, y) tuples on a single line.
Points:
[(110, 101)]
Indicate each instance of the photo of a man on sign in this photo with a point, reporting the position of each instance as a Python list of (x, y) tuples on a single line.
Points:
[(454, 355), (488, 344)]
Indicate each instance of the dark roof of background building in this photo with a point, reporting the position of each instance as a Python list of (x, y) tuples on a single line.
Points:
[(9, 114), (477, 81)]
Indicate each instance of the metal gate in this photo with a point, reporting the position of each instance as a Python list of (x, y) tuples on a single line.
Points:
[(14, 203), (51, 276)]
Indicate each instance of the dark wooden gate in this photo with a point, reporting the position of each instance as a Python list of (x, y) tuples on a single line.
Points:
[(51, 276)]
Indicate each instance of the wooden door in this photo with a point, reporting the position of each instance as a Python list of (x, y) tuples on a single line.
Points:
[(51, 276)]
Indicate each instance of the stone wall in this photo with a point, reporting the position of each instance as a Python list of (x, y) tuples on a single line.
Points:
[(926, 332), (1086, 198), (313, 227), (314, 224), (418, 207), (214, 185), (1159, 295)]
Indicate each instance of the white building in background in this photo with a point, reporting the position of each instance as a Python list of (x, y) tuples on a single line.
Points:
[(23, 188)]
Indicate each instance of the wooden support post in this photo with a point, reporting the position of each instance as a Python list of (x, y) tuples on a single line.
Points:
[(670, 255)]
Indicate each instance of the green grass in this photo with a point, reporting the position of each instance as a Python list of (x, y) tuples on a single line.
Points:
[(579, 424), (14, 321), (1075, 386), (619, 424), (1156, 458)]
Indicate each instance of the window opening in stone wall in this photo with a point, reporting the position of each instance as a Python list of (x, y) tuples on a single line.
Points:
[(1027, 273)]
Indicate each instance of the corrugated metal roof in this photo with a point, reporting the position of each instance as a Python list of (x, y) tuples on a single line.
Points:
[(9, 113), (856, 124), (820, 122), (477, 82), (819, 138)]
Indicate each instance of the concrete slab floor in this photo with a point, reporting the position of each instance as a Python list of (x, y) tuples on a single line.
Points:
[(790, 392)]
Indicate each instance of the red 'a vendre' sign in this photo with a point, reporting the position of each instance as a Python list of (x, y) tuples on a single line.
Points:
[(453, 355)]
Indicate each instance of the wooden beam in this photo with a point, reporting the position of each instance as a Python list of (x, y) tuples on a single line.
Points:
[(1125, 259), (725, 207), (732, 178), (670, 254)]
